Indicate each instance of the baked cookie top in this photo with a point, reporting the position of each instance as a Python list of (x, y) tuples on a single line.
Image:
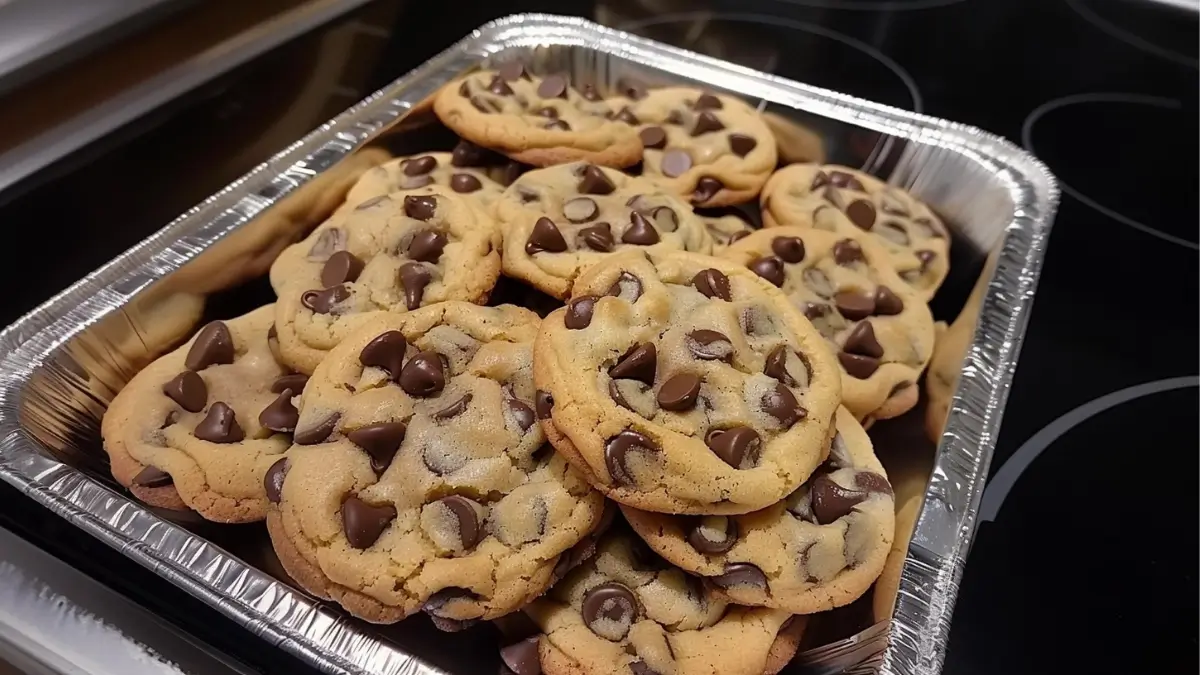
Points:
[(199, 427), (421, 478), (447, 169), (539, 120), (682, 383), (712, 149), (725, 226), (627, 611), (880, 327), (392, 253), (820, 548), (560, 220), (843, 200)]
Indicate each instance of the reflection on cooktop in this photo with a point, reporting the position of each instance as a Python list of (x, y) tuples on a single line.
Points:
[(1159, 33)]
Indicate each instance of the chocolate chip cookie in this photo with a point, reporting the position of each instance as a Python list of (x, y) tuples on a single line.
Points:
[(682, 383), (820, 548), (560, 220), (420, 478), (392, 253), (724, 228), (627, 611), (880, 328), (200, 426), (712, 149), (535, 119), (450, 170), (846, 201)]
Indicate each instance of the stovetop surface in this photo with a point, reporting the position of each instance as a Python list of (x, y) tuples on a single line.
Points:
[(1086, 559)]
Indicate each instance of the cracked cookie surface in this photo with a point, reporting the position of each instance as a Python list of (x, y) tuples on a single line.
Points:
[(712, 149), (851, 202), (820, 548), (627, 611), (199, 427), (392, 253), (420, 478), (682, 383), (880, 328), (535, 119), (560, 220)]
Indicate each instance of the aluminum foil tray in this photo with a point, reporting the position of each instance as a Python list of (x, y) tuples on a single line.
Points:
[(62, 363)]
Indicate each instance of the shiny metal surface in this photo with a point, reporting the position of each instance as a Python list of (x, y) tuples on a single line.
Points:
[(60, 364)]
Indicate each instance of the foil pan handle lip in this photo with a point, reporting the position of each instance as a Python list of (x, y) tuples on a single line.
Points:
[(266, 607)]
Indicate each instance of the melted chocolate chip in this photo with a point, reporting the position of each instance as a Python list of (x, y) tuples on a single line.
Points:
[(318, 432), (280, 415), (364, 523), (707, 102), (380, 441), (499, 87), (427, 246), (854, 305), (579, 312), (470, 530), (424, 375), (861, 367), (780, 403), (771, 269), (676, 162), (789, 249), (593, 181), (188, 390), (706, 188), (294, 381), (626, 281), (701, 534), (545, 237), (709, 345), (598, 237), (713, 283), (273, 480), (454, 409), (213, 346), (543, 403), (887, 303), (819, 181), (862, 213), (609, 610), (626, 115), (152, 477), (844, 180), (420, 166), (522, 657), (330, 240), (219, 425), (512, 70), (776, 366), (465, 183), (862, 341), (554, 86), (638, 363), (420, 207), (324, 301), (386, 352), (616, 452), (706, 122), (640, 232), (738, 447), (342, 267), (413, 279), (848, 251), (679, 393), (831, 501), (741, 574), (521, 413), (741, 144), (654, 138)]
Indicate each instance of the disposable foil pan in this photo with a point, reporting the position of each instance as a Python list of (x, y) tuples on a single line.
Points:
[(62, 363)]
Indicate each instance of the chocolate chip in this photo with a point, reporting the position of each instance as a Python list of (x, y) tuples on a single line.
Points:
[(152, 477), (741, 574), (513, 70), (213, 346), (632, 89), (738, 447), (848, 251), (780, 403), (844, 180), (614, 392), (654, 138), (467, 153), (470, 531), (706, 188), (707, 102), (893, 232), (639, 362), (465, 183), (219, 425), (737, 236), (862, 341), (329, 241), (862, 213), (341, 267), (926, 257), (713, 283), (679, 392), (771, 269), (706, 122), (273, 480), (413, 279), (580, 209), (861, 367), (557, 125), (318, 432), (543, 403), (887, 303), (854, 305), (626, 115), (554, 86), (521, 658), (386, 352), (188, 390), (499, 87), (676, 162), (640, 232), (520, 412), (420, 166), (323, 302), (741, 144), (454, 409), (818, 282), (776, 366), (598, 237), (363, 523), (545, 237), (790, 249), (427, 246), (424, 375), (280, 415), (593, 181), (294, 381), (626, 282), (483, 105), (713, 535), (609, 610), (819, 181), (616, 452), (420, 207), (589, 93), (579, 312), (831, 501), (380, 441), (709, 345)]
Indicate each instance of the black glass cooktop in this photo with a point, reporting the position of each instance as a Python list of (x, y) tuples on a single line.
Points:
[(1086, 559)]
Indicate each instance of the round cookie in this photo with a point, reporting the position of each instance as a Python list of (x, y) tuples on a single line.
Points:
[(560, 220), (420, 478), (881, 328), (627, 612), (682, 383), (536, 120), (446, 169), (850, 202), (392, 253), (820, 548), (199, 427), (712, 149)]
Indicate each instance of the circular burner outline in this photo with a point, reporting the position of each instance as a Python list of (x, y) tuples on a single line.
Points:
[(873, 5), (1108, 97), (769, 20), (1131, 39)]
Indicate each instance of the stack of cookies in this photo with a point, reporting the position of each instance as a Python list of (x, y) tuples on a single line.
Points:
[(668, 472)]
